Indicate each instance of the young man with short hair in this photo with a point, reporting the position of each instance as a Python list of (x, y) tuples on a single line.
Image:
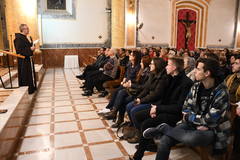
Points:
[(205, 119)]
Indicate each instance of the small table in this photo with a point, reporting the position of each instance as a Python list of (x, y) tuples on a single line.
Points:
[(71, 61)]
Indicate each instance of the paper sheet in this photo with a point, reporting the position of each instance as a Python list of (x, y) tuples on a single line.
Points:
[(238, 103), (35, 42)]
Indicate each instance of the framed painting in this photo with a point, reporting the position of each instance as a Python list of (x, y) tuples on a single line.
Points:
[(57, 8), (56, 4)]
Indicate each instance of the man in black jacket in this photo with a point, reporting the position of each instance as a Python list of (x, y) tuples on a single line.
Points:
[(26, 70), (100, 61), (168, 110)]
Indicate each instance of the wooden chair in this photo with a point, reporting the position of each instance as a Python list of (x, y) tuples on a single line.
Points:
[(110, 86)]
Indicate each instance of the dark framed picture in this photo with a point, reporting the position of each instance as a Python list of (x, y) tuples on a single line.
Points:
[(56, 4), (63, 9)]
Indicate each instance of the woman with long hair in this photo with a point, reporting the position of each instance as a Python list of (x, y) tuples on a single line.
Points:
[(131, 74)]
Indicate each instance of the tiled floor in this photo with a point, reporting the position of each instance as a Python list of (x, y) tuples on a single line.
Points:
[(64, 125)]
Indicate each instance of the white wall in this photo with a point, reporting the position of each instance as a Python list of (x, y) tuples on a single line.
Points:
[(91, 21), (221, 18), (156, 16)]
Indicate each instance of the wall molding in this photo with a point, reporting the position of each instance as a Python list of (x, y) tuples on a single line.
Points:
[(69, 46)]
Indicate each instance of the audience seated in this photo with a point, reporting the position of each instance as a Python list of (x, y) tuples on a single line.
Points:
[(145, 52), (233, 84), (164, 54), (189, 65), (100, 61), (123, 57), (152, 92), (108, 73), (158, 99), (132, 88), (224, 69), (204, 112), (119, 96), (168, 109)]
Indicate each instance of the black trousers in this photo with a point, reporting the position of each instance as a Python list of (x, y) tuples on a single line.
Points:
[(185, 134), (88, 69), (114, 96), (97, 81), (119, 100), (143, 117)]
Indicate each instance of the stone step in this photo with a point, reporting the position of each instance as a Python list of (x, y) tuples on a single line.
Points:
[(39, 71), (6, 79), (12, 123)]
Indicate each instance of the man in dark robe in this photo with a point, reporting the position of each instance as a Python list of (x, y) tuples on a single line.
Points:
[(26, 70)]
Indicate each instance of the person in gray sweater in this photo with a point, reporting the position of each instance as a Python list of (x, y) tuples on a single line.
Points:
[(108, 73)]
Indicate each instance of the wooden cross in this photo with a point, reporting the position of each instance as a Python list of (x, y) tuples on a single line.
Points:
[(187, 24)]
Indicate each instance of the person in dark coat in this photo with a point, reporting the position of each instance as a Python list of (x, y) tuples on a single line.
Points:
[(168, 109), (109, 73), (99, 63), (26, 70), (153, 90), (137, 86), (118, 98)]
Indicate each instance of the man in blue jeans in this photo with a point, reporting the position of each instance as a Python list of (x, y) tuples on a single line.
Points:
[(205, 119)]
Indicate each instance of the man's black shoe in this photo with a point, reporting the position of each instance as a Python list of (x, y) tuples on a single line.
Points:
[(150, 147), (82, 86), (87, 93), (103, 94), (80, 77)]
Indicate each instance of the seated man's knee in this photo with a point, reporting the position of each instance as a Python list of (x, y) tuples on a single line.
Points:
[(165, 143)]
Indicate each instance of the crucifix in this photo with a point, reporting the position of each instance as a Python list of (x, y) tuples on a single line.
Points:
[(187, 25)]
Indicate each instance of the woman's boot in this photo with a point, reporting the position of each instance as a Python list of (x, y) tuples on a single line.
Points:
[(112, 114), (120, 120)]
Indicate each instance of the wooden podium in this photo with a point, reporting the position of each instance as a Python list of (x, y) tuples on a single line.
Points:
[(8, 65)]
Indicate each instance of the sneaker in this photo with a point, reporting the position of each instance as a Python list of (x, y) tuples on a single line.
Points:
[(103, 111), (153, 132)]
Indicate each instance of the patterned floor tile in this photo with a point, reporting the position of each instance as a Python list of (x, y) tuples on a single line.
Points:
[(65, 125)]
